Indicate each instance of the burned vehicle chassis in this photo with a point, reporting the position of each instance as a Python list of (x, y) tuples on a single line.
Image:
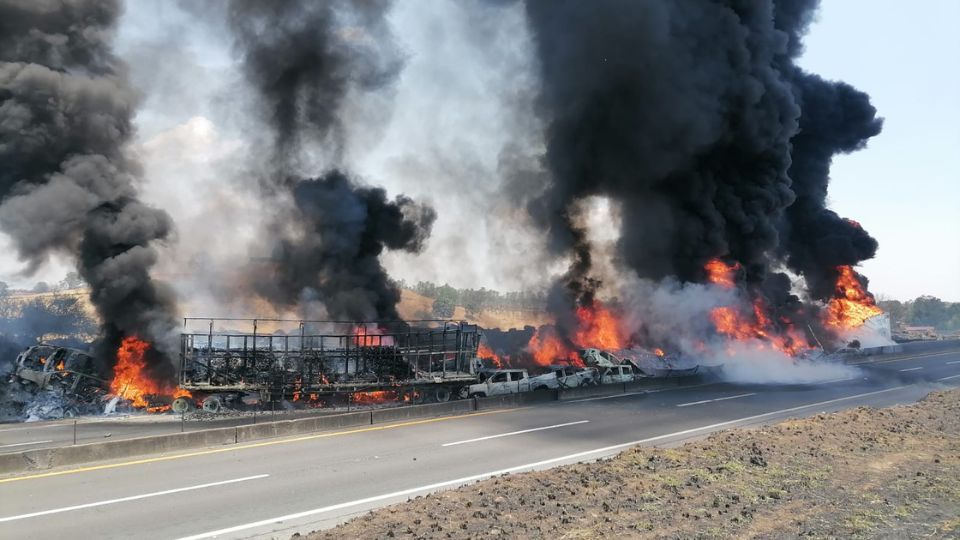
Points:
[(432, 360)]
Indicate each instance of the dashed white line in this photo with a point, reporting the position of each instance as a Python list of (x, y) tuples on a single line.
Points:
[(518, 468), (610, 397), (911, 369), (28, 425), (23, 444), (839, 380), (488, 437), (715, 399), (131, 498), (948, 378), (953, 362)]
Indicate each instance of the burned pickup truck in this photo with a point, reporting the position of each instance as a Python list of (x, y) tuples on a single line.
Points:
[(69, 377)]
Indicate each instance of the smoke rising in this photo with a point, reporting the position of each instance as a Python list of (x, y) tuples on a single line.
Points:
[(334, 261), (693, 118), (303, 60), (66, 182)]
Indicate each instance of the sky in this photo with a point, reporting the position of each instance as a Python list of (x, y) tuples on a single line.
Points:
[(904, 187)]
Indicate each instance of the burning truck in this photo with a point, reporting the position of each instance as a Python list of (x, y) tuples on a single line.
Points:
[(317, 361)]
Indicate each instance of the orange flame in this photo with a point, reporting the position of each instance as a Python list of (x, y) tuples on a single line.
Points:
[(483, 351), (60, 365), (659, 352), (364, 336), (719, 273), (131, 383), (758, 330), (852, 305), (374, 397), (598, 328), (755, 328), (547, 348)]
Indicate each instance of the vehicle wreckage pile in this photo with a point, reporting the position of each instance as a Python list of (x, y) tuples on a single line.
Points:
[(714, 163), (251, 364)]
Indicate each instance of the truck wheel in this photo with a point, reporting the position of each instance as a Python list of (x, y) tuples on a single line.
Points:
[(182, 405), (441, 394), (212, 404)]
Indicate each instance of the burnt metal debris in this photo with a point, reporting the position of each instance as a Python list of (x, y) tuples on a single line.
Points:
[(283, 359)]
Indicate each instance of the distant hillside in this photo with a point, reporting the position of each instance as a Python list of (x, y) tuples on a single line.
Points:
[(412, 306), (417, 306)]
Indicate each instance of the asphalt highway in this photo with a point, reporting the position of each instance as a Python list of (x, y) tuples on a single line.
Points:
[(276, 487)]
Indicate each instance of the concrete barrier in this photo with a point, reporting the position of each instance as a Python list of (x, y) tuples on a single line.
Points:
[(599, 390), (286, 428), (930, 346), (539, 396), (382, 416), (506, 401), (47, 458)]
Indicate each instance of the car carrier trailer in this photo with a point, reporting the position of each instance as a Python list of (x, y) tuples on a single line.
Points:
[(277, 359)]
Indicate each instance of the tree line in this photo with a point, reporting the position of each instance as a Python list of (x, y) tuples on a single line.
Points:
[(446, 298), (924, 311)]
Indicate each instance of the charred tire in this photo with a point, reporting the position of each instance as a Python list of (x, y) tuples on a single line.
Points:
[(441, 394), (182, 405), (212, 404)]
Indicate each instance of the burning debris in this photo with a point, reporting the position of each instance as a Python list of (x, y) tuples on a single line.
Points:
[(718, 172), (714, 159), (68, 185)]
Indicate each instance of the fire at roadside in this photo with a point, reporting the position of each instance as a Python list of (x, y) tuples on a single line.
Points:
[(380, 365)]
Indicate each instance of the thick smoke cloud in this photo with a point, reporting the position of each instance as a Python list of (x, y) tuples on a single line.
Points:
[(335, 259), (836, 119), (674, 109), (66, 184), (692, 117), (303, 60)]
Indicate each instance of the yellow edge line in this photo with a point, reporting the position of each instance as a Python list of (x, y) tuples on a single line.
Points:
[(254, 445), (897, 359)]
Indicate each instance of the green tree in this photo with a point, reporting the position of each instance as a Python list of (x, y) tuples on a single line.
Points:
[(928, 311)]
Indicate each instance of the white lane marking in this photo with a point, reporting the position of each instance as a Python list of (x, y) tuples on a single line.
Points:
[(518, 468), (131, 498), (515, 433), (953, 362), (911, 369), (26, 426), (948, 378), (839, 380), (715, 399), (23, 444), (609, 397), (652, 390)]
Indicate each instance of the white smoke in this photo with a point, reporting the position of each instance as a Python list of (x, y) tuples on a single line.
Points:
[(676, 317)]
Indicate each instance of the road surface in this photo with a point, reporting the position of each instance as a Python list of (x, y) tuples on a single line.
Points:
[(276, 487)]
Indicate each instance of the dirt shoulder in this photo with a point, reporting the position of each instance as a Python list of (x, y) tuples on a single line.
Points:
[(877, 473)]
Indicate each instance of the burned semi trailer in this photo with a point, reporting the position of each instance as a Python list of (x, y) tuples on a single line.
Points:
[(299, 360)]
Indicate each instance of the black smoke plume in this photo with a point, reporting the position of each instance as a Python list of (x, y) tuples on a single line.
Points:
[(66, 184), (303, 59), (335, 260), (692, 116)]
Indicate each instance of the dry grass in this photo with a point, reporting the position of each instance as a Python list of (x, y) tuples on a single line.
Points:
[(862, 473)]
